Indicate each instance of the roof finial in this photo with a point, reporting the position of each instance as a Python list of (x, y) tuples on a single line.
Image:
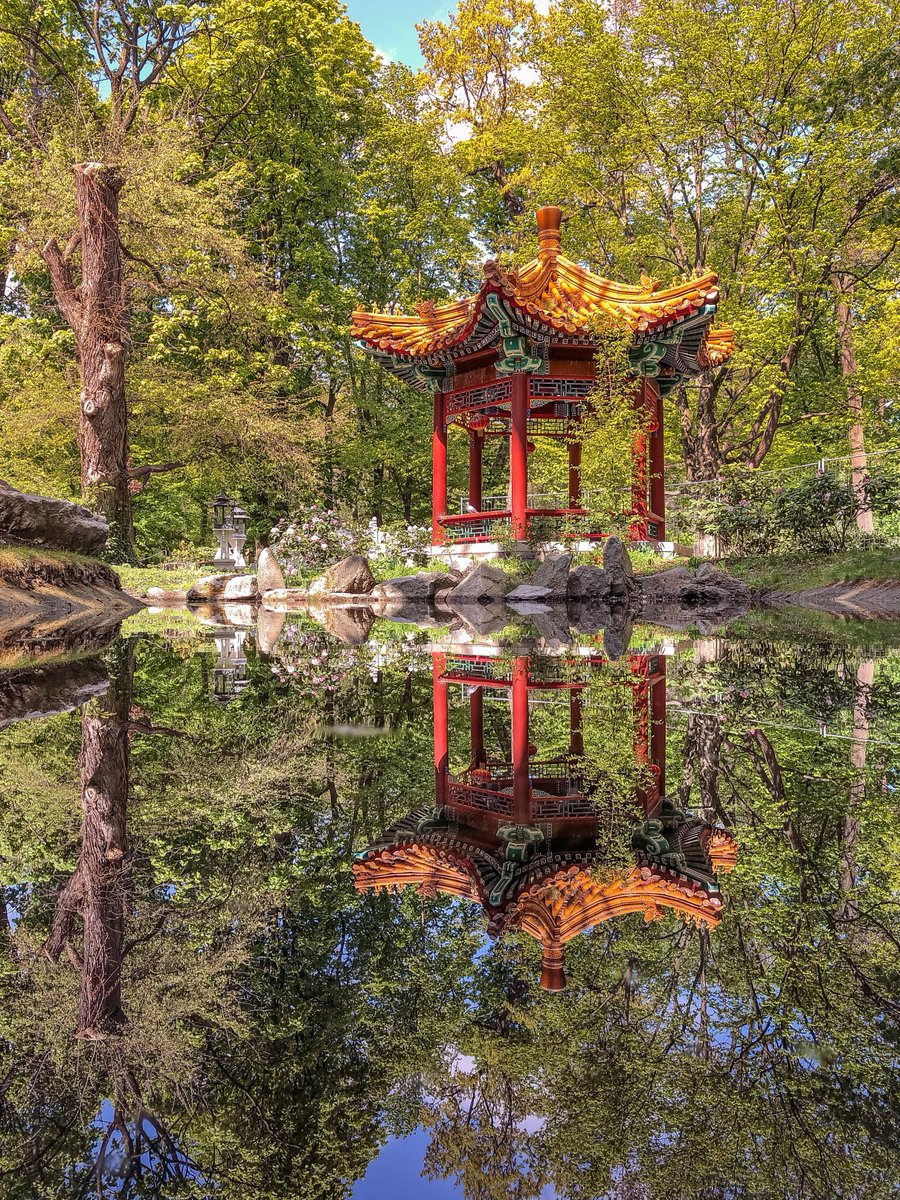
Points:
[(549, 220)]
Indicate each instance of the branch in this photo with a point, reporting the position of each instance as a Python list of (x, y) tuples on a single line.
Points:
[(157, 469), (64, 289)]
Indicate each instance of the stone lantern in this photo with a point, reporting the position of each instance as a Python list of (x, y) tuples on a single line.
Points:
[(230, 670), (239, 536), (223, 527)]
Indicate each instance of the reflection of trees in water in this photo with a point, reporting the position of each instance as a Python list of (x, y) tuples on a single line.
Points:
[(758, 1064)]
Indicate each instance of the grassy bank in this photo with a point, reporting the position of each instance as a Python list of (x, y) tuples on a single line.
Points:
[(137, 580), (798, 572), (23, 566)]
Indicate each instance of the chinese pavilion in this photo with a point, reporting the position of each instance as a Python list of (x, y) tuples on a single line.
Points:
[(516, 361), (520, 837)]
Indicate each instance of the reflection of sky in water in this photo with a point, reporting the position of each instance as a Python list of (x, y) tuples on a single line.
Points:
[(396, 1173)]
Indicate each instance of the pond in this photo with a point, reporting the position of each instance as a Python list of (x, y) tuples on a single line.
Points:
[(443, 915)]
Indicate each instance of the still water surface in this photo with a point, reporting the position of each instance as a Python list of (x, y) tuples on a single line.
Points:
[(433, 918)]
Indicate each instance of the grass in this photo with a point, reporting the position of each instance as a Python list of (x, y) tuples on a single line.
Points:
[(799, 572), (137, 580), (811, 627)]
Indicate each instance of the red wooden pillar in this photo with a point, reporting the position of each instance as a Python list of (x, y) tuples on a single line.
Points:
[(441, 729), (518, 457), (574, 474), (576, 737), (521, 782), (658, 728), (438, 471), (657, 461), (476, 456), (476, 725)]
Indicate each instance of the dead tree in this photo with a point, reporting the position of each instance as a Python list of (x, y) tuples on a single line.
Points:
[(99, 891)]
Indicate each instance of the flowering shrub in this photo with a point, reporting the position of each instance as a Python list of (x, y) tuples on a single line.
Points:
[(408, 544), (311, 660), (318, 538), (316, 664), (312, 541)]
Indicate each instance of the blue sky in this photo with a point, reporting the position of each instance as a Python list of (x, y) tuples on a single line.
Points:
[(390, 24)]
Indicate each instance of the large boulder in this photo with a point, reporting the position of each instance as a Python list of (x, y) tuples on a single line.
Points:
[(351, 626), (42, 690), (40, 521), (223, 589), (617, 632), (588, 583), (269, 575), (589, 616), (483, 584), (480, 620), (269, 625), (553, 630), (352, 576), (421, 588), (553, 574), (618, 568)]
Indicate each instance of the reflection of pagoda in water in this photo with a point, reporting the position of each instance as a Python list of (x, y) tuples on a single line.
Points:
[(520, 837)]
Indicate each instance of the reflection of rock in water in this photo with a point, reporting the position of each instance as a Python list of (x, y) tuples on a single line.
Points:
[(42, 691), (520, 837)]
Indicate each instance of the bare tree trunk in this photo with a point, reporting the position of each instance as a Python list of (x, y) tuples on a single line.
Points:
[(856, 434), (100, 888), (97, 311)]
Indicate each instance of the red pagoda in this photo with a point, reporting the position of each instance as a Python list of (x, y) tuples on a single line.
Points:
[(520, 837), (516, 361)]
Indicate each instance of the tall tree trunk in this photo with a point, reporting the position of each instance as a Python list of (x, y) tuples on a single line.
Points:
[(856, 434), (97, 311), (100, 888)]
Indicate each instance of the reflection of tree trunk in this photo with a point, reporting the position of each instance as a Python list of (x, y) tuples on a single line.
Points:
[(848, 907), (856, 436), (702, 759), (100, 887)]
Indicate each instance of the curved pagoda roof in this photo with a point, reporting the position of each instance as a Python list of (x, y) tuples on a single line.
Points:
[(554, 896), (552, 301)]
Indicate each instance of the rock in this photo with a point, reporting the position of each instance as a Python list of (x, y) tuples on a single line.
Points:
[(553, 628), (617, 632), (352, 576), (588, 583), (617, 565), (269, 625), (221, 589), (528, 591), (317, 587), (678, 598), (481, 619), (351, 626), (41, 521), (40, 691), (483, 584), (589, 616), (269, 574), (416, 589), (667, 585), (238, 616), (553, 573), (166, 597), (411, 612)]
